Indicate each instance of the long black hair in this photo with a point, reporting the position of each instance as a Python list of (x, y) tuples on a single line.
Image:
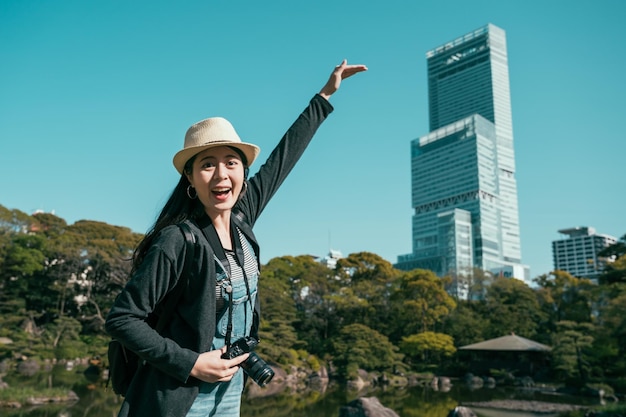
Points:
[(178, 208)]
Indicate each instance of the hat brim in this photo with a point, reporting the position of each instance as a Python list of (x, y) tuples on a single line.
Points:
[(249, 150)]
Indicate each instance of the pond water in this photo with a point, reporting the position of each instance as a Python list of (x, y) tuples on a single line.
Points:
[(96, 401)]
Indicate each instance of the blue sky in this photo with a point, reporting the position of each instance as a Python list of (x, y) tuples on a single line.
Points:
[(95, 98)]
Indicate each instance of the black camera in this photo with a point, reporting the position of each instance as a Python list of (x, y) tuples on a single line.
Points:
[(255, 367)]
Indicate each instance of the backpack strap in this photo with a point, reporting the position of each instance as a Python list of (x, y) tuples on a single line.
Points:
[(172, 298)]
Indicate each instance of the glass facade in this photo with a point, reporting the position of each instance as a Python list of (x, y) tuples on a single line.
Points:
[(466, 163)]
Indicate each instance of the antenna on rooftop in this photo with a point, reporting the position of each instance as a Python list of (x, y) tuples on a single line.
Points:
[(330, 247)]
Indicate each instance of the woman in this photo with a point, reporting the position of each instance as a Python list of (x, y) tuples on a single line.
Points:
[(185, 374)]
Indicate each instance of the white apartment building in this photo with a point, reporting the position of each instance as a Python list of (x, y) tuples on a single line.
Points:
[(578, 252)]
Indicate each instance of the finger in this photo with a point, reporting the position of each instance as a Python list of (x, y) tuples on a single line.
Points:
[(236, 361), (353, 70), (226, 378), (219, 378)]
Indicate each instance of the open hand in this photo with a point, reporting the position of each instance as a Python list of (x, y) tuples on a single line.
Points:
[(341, 72)]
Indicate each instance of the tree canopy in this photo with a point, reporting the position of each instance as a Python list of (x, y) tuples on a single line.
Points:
[(58, 281)]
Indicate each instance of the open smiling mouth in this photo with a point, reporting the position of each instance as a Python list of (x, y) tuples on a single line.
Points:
[(221, 192)]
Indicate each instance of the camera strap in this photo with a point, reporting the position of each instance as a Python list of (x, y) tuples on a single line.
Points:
[(211, 235)]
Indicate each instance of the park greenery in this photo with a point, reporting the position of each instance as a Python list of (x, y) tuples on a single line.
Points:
[(58, 281)]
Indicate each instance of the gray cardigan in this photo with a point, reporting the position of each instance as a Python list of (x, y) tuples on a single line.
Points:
[(163, 387)]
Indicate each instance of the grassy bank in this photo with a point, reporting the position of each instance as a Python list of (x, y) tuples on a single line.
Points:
[(612, 410), (20, 396)]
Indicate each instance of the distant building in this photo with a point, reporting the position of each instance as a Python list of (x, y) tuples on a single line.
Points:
[(331, 259), (464, 191), (578, 253)]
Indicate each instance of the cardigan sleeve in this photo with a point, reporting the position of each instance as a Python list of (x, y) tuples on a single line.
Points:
[(265, 183), (126, 321)]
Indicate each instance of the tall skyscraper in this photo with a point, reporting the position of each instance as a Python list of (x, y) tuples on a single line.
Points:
[(578, 253), (464, 191)]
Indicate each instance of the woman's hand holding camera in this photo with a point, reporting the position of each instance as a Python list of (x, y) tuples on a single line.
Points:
[(210, 367)]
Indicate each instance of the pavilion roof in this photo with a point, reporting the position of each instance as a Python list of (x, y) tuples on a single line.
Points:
[(510, 342)]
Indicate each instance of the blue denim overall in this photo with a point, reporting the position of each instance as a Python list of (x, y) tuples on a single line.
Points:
[(223, 399)]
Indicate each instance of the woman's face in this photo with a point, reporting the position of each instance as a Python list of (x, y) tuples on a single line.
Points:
[(217, 176)]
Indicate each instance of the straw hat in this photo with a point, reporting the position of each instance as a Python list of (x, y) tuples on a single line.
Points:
[(210, 133)]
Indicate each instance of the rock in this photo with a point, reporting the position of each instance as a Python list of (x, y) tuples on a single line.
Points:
[(356, 384), (525, 381), (539, 407), (70, 397), (362, 380), (364, 375), (441, 383), (28, 367), (318, 381), (490, 382), (461, 412), (4, 366), (10, 404), (473, 382), (366, 407)]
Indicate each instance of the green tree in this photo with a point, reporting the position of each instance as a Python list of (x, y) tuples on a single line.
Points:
[(467, 323), (111, 243), (564, 297), (14, 220), (63, 337), (55, 273), (12, 223), (427, 347), (279, 311), (421, 302), (94, 264), (298, 317), (25, 256), (360, 347), (49, 224), (366, 280), (512, 307), (569, 351), (24, 261), (609, 351), (614, 272)]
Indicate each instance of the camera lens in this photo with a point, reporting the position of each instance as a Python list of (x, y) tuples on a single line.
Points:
[(258, 369)]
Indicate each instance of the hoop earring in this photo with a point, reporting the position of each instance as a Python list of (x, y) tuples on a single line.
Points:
[(195, 193)]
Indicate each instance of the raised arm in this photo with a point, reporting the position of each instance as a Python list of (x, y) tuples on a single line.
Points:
[(341, 72), (263, 185)]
